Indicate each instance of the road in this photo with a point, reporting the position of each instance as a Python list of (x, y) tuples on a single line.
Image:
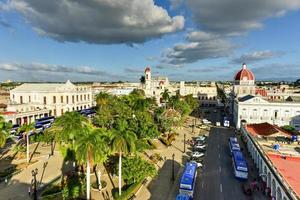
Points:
[(217, 182)]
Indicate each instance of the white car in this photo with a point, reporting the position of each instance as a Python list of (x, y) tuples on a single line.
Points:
[(197, 154), (199, 146), (199, 164), (201, 138)]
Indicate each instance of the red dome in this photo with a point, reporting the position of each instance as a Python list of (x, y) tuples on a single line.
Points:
[(244, 74), (147, 69)]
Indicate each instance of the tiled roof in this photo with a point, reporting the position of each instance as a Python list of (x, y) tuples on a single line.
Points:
[(261, 92), (265, 129), (289, 168)]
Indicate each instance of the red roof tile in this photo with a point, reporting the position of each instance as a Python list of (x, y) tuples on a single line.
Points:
[(289, 168), (265, 129)]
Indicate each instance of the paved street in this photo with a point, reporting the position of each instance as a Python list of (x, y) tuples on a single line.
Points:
[(217, 181)]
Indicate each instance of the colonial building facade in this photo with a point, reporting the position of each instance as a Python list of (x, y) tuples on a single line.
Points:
[(32, 101)]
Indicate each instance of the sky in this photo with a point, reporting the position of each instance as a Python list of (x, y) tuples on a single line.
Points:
[(112, 40)]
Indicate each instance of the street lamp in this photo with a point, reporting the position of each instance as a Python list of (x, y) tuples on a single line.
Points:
[(34, 173), (173, 172), (184, 143)]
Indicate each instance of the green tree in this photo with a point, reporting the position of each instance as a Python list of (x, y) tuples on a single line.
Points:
[(91, 148), (123, 142), (136, 169), (27, 129), (166, 96), (191, 101), (4, 131), (68, 127), (102, 99), (288, 128)]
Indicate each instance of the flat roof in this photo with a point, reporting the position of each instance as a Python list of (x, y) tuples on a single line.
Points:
[(289, 168)]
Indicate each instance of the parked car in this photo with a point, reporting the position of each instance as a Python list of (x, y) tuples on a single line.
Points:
[(198, 150), (199, 146), (197, 154)]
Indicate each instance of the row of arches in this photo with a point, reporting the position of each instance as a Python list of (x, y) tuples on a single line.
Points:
[(265, 173)]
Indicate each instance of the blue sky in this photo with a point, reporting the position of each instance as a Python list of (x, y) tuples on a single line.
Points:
[(115, 40)]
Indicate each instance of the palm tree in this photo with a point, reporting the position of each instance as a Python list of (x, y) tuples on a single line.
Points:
[(166, 96), (4, 131), (102, 99), (68, 127), (123, 142), (27, 129), (91, 148)]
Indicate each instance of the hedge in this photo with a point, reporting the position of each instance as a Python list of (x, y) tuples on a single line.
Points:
[(127, 194)]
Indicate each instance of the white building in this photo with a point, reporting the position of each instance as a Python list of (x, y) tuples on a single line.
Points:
[(255, 109), (154, 87), (31, 101), (278, 169)]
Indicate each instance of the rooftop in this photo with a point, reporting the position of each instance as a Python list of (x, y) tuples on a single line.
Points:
[(286, 160), (289, 168)]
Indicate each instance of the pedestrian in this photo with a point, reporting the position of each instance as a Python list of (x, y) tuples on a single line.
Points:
[(29, 191)]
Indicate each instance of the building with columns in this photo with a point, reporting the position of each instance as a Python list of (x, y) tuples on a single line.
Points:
[(253, 105), (155, 86), (279, 169), (31, 101)]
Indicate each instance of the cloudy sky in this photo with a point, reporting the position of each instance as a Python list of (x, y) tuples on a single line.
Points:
[(100, 40)]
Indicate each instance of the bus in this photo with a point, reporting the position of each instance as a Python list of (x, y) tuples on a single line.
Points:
[(45, 119), (183, 197), (240, 166), (39, 128), (188, 179), (233, 145)]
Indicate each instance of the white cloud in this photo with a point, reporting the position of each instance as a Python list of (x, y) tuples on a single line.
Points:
[(98, 21), (257, 56), (49, 71), (200, 45), (234, 17)]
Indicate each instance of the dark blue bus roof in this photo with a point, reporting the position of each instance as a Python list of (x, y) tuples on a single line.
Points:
[(182, 197), (188, 174), (239, 161), (44, 118)]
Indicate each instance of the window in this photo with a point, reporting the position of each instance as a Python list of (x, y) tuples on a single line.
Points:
[(62, 111), (67, 99), (54, 99), (84, 97), (45, 100), (54, 112), (61, 99), (81, 97), (29, 98), (276, 114), (88, 97), (73, 99), (21, 99), (77, 98)]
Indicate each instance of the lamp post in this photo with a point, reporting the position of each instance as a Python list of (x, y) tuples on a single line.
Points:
[(173, 172), (34, 173), (184, 143)]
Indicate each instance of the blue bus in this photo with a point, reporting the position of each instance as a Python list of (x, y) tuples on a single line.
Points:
[(188, 179), (45, 119), (88, 112), (39, 128), (183, 197), (240, 166), (233, 144)]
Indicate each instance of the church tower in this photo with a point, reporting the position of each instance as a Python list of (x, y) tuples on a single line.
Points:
[(244, 82)]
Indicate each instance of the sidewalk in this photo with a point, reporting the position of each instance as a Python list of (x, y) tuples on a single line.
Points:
[(17, 187), (162, 187)]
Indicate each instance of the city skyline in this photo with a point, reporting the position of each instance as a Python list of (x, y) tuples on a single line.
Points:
[(112, 40)]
